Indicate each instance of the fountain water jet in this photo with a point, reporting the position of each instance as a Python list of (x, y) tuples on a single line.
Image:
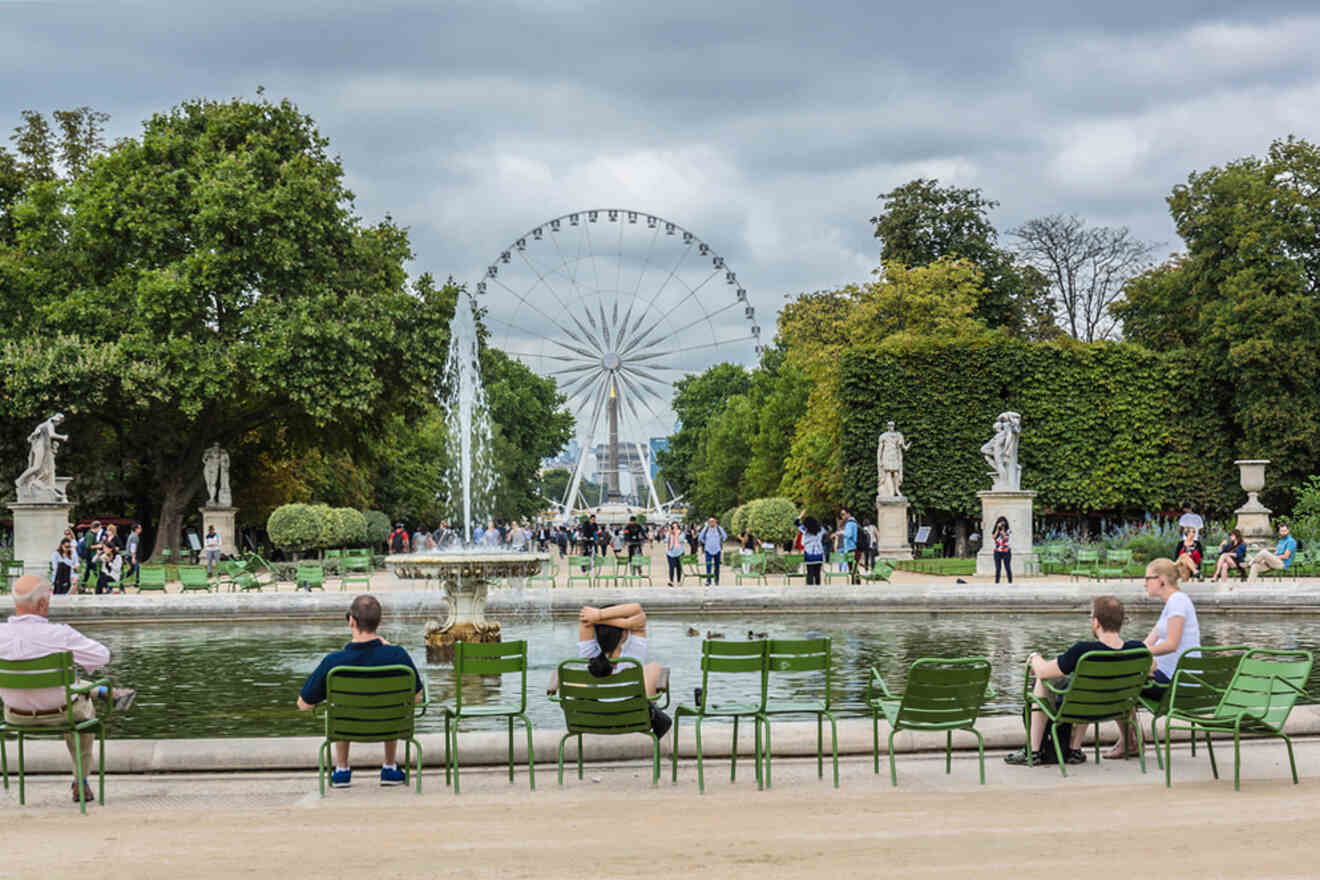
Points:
[(464, 573)]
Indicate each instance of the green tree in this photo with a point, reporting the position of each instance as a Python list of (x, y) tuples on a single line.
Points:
[(697, 399), (1244, 298), (725, 449), (205, 280), (922, 222)]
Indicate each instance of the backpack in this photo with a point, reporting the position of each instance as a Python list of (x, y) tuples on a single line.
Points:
[(397, 540), (863, 541)]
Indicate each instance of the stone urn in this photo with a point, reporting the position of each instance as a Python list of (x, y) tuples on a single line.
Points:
[(1253, 518), (464, 577)]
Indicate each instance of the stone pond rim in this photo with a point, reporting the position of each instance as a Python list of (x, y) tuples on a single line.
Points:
[(464, 577)]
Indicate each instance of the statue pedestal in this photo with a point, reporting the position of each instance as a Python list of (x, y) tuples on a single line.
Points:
[(1253, 518), (223, 520), (38, 527), (891, 524), (1014, 506)]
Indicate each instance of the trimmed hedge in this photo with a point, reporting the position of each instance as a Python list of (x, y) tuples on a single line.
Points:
[(378, 527), (1105, 426), (294, 527), (771, 519)]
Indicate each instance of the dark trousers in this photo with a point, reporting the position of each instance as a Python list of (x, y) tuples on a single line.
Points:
[(813, 572), (1004, 558), (675, 569), (712, 559)]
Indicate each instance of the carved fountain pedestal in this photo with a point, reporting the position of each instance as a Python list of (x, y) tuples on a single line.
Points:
[(464, 577)]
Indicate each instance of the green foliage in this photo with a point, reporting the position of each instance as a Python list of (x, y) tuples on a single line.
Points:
[(726, 446), (350, 526), (697, 399), (294, 527), (377, 527), (726, 520), (771, 519), (1105, 426), (738, 521)]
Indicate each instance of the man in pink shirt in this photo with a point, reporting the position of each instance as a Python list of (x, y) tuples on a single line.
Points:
[(27, 635)]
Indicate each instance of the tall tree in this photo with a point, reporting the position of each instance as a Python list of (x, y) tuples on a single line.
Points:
[(205, 280), (923, 222), (697, 399), (1087, 268), (1246, 297)]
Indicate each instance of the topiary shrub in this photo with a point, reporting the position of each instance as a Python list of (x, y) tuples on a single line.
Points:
[(294, 527), (329, 536), (726, 520), (351, 526), (739, 520), (377, 527), (771, 519)]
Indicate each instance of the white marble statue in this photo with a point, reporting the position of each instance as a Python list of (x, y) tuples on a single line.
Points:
[(889, 451), (215, 468), (1001, 452), (38, 482)]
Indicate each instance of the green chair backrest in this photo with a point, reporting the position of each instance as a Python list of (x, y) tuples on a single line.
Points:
[(1087, 557), (1105, 685), (944, 693), (1266, 685), (755, 563), (579, 561), (801, 655), (1118, 557), (151, 577), (732, 658), (794, 561), (490, 658), (310, 574), (334, 554), (1200, 678), (192, 577), (358, 552), (51, 671), (611, 705), (369, 703), (357, 563)]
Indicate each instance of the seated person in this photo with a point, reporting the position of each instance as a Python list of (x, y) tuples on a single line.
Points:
[(1187, 556), (619, 631), (1232, 556), (1106, 619), (365, 649), (29, 634), (1281, 558)]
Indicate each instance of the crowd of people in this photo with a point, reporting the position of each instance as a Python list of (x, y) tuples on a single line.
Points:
[(96, 559)]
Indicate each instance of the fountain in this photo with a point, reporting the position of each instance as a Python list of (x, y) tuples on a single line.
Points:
[(463, 571)]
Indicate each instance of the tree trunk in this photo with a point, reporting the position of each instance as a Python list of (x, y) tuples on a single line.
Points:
[(175, 496), (960, 538)]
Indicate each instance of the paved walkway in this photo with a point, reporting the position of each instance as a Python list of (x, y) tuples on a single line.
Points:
[(1104, 820)]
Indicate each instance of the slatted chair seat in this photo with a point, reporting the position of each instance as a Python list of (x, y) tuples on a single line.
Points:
[(755, 568), (1104, 687), (151, 578), (489, 658), (692, 567), (941, 694), (1115, 564), (54, 671), (794, 567), (310, 577), (798, 656), (1258, 699), (372, 704), (193, 577), (611, 706), (576, 564), (355, 570)]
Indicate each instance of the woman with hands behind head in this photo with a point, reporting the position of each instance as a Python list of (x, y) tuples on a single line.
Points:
[(606, 634)]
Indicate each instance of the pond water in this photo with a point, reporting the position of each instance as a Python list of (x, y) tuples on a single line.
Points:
[(208, 680)]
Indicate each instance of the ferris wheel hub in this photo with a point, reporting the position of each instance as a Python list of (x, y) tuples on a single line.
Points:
[(611, 362)]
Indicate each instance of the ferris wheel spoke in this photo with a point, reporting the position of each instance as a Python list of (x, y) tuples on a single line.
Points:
[(638, 340), (578, 369), (531, 334), (670, 277), (716, 344), (644, 376), (525, 302), (541, 277), (576, 386), (685, 327), (639, 393)]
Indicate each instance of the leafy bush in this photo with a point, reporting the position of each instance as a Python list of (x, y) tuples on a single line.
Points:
[(726, 520), (351, 526), (329, 527), (739, 520), (294, 527), (771, 519), (1147, 547), (378, 527)]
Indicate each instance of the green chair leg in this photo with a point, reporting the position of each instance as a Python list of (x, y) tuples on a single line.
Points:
[(875, 740), (1058, 750), (1209, 747), (767, 753), (531, 757), (1237, 757), (820, 745), (579, 756), (562, 740), (893, 770), (510, 725), (948, 752), (655, 759), (419, 764), (701, 764), (22, 787), (1287, 740), (733, 753), (4, 760), (980, 752), (673, 751), (79, 779)]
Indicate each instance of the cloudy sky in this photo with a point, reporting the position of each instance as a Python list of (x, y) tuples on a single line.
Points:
[(766, 128)]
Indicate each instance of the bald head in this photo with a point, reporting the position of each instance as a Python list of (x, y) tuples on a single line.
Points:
[(29, 593)]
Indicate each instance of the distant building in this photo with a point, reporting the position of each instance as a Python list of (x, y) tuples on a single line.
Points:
[(657, 445)]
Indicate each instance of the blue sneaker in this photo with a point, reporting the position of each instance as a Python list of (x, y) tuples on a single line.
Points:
[(341, 778), (393, 776)]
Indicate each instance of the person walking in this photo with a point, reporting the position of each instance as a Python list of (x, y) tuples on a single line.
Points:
[(712, 538), (848, 535), (64, 568), (674, 554)]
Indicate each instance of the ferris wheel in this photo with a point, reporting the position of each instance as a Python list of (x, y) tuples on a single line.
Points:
[(616, 305)]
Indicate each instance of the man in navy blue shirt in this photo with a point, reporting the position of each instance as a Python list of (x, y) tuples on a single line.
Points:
[(365, 649)]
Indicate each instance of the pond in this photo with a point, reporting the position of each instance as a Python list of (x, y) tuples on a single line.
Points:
[(242, 679)]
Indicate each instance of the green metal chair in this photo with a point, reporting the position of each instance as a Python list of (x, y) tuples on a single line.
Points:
[(10, 571), (310, 576), (1088, 561), (641, 568), (355, 570), (493, 658), (53, 671), (151, 578), (829, 574), (548, 572), (721, 658), (1204, 672), (1264, 688), (1051, 559), (1104, 687), (230, 569), (797, 656), (940, 694), (794, 567), (193, 577), (881, 571), (1115, 564), (754, 564), (576, 564), (331, 559), (372, 704), (605, 570), (609, 706), (692, 567), (624, 574)]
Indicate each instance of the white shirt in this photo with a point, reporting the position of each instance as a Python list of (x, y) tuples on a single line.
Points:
[(29, 636), (213, 541), (634, 646), (1178, 605)]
